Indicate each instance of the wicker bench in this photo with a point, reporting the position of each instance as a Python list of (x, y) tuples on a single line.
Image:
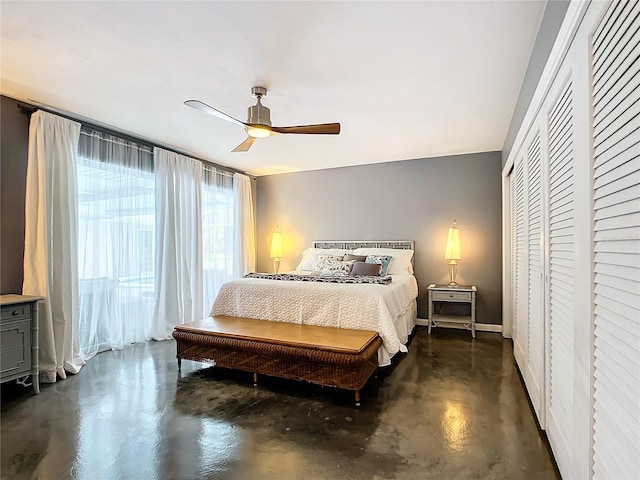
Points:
[(323, 355)]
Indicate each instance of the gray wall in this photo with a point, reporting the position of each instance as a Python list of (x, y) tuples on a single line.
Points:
[(14, 141), (408, 200), (549, 26)]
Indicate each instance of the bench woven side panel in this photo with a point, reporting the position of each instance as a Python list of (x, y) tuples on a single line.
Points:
[(343, 370)]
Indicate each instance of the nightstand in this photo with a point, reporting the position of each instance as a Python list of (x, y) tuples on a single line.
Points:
[(19, 335), (439, 294)]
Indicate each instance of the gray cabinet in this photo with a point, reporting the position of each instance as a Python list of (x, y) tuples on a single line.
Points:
[(19, 339)]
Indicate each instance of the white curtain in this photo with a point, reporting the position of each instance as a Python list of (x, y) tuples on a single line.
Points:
[(50, 254), (116, 237), (217, 233), (178, 242), (244, 231)]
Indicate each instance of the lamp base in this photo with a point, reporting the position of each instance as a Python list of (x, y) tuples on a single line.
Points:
[(276, 265), (453, 270)]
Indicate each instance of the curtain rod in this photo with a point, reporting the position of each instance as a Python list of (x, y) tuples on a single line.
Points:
[(119, 141), (28, 110)]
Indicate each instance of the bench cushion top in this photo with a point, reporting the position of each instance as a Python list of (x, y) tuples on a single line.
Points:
[(293, 334)]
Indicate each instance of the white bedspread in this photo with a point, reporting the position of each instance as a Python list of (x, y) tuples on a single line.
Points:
[(356, 306)]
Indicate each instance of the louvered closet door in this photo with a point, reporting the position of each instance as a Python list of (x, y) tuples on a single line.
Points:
[(514, 255), (520, 327), (534, 374), (561, 227), (616, 195)]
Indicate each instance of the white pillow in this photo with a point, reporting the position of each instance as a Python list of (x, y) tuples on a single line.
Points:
[(401, 262), (310, 256)]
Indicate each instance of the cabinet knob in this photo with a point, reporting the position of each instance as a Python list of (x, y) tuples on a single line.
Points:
[(15, 313), (451, 294)]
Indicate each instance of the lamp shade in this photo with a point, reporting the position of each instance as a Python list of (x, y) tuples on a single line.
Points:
[(276, 245), (453, 244)]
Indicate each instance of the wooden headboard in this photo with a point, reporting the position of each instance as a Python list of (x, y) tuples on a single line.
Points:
[(353, 244)]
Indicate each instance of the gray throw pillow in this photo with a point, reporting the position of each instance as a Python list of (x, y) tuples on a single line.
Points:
[(357, 258), (365, 269)]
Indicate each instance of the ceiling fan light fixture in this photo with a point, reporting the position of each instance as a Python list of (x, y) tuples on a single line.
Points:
[(258, 132)]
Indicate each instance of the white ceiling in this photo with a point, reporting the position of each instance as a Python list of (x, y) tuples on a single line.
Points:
[(405, 79)]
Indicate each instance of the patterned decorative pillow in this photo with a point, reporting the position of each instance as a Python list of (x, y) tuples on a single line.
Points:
[(337, 268), (310, 256), (384, 260), (324, 260)]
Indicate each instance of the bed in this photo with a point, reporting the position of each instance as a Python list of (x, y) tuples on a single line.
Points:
[(389, 309)]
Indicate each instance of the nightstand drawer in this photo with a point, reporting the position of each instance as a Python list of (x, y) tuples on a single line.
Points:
[(15, 312), (450, 296)]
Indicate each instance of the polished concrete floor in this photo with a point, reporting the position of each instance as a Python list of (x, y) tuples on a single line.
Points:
[(451, 408)]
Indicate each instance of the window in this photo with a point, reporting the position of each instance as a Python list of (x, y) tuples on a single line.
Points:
[(217, 233), (116, 237), (117, 219)]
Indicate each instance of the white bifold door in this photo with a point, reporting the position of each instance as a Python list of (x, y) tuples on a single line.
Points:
[(572, 209), (527, 273), (615, 76), (561, 268)]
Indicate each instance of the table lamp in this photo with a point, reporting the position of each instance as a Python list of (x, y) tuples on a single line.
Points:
[(452, 253), (276, 249)]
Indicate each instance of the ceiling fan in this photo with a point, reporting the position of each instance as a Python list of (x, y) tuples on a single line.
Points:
[(258, 124)]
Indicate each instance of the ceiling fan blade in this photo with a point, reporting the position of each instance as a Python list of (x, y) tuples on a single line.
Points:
[(203, 107), (320, 129), (245, 146)]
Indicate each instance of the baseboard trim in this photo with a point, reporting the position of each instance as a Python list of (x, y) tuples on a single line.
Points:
[(480, 327), (423, 322), (489, 327)]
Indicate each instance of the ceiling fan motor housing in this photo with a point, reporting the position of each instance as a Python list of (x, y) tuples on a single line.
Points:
[(259, 114)]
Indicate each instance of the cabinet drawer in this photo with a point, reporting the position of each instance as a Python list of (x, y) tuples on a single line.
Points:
[(438, 296), (16, 312)]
